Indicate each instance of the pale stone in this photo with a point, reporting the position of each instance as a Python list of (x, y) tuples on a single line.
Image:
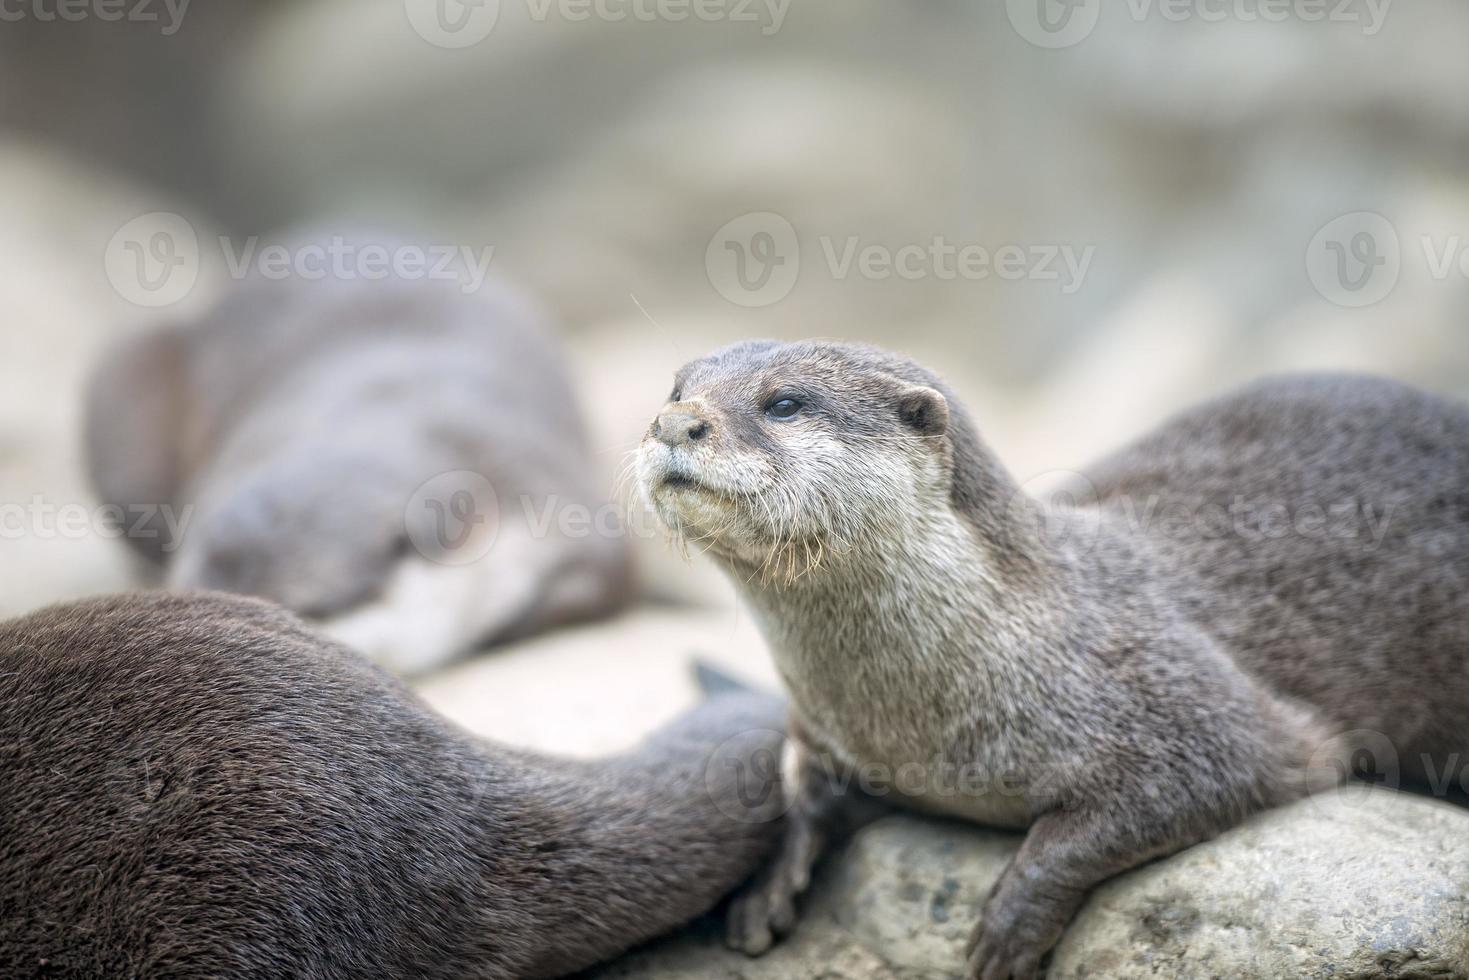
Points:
[(1360, 885)]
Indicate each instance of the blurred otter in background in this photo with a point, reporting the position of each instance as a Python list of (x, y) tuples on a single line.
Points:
[(198, 786), (390, 457)]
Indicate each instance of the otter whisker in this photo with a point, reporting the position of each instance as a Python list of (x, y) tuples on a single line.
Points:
[(621, 447), (624, 477)]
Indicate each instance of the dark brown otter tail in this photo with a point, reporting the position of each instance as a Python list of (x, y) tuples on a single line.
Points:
[(197, 785), (647, 841)]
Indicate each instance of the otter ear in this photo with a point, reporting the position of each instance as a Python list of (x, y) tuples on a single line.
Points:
[(923, 410)]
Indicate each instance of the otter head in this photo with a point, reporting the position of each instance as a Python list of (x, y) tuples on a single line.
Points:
[(318, 533), (783, 458)]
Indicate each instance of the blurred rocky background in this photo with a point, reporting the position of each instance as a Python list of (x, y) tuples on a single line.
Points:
[(1085, 215)]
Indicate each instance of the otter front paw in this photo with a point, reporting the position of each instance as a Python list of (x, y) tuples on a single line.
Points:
[(1014, 934), (760, 915), (996, 955), (766, 910)]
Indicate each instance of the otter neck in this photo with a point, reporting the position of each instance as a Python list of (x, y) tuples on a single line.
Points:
[(893, 644)]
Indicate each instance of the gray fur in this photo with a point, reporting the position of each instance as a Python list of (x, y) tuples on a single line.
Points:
[(289, 429), (199, 786), (1123, 687)]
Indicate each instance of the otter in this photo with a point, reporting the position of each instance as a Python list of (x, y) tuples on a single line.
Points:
[(201, 786), (1123, 668), (375, 454)]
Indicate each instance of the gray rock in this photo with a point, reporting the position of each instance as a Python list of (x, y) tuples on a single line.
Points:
[(1360, 885)]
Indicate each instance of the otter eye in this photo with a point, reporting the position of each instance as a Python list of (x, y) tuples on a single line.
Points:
[(785, 408)]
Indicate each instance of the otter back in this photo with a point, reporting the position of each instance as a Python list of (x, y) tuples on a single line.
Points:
[(199, 786)]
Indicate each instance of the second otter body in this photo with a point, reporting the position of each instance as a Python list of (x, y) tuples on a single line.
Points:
[(199, 786), (375, 454), (1125, 673)]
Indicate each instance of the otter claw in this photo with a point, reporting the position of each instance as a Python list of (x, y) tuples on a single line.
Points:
[(991, 958), (1009, 942), (749, 928), (766, 911)]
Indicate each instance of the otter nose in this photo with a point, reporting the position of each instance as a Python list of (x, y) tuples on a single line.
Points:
[(675, 428)]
